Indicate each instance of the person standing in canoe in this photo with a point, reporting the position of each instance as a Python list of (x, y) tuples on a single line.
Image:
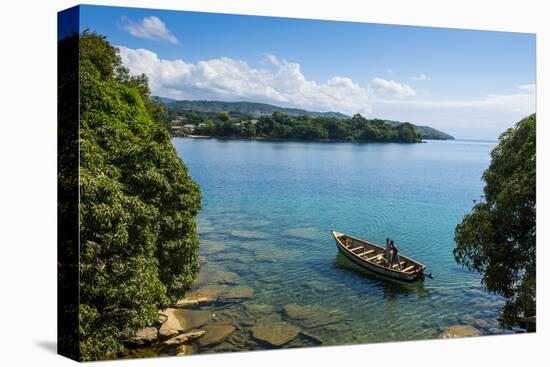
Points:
[(387, 254), (394, 255)]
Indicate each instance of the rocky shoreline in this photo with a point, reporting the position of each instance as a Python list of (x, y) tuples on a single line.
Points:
[(226, 313), (204, 319), (185, 327)]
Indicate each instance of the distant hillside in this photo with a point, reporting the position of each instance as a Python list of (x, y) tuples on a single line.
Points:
[(426, 132), (430, 133), (250, 108), (166, 100), (259, 109)]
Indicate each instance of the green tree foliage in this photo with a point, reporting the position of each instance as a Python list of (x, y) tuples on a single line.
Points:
[(498, 239), (139, 247), (281, 126), (223, 116), (406, 132)]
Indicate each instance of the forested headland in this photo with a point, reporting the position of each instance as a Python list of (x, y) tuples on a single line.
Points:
[(240, 120), (280, 126), (333, 125)]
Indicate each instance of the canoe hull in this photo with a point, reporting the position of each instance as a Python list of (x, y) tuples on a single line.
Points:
[(407, 277)]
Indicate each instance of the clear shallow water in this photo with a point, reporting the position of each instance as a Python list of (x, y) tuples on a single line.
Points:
[(268, 208)]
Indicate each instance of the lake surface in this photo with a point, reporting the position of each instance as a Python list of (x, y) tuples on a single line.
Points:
[(267, 211)]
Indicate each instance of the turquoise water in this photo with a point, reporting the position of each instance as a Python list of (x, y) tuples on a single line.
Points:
[(268, 208)]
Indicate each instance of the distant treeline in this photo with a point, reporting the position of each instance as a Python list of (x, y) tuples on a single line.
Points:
[(243, 111), (280, 126)]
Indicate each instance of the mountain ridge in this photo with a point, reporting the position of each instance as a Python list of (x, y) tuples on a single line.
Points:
[(252, 108)]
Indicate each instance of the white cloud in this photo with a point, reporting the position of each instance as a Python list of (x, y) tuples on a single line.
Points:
[(272, 60), (420, 78), (391, 88), (151, 28), (229, 79), (283, 83)]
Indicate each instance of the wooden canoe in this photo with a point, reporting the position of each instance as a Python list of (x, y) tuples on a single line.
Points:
[(372, 257)]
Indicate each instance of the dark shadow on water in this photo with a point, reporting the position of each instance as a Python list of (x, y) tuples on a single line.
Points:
[(48, 345), (390, 288)]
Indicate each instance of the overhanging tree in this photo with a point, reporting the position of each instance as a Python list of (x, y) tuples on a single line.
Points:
[(138, 242), (498, 238)]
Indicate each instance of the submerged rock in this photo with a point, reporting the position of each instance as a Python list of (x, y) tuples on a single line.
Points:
[(232, 257), (268, 254), (467, 319), (236, 294), (188, 302), (250, 235), (311, 316), (217, 333), (206, 274), (226, 277), (205, 226), (144, 336), (211, 292), (181, 320), (203, 295), (296, 312), (307, 233), (212, 275), (208, 247), (316, 339), (481, 324), (259, 308), (238, 267), (183, 338), (459, 331), (234, 314), (258, 223), (275, 334), (194, 318), (315, 286)]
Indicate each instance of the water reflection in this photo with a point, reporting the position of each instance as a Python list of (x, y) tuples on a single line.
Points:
[(390, 287)]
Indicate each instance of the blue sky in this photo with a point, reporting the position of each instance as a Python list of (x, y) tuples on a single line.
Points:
[(472, 84)]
